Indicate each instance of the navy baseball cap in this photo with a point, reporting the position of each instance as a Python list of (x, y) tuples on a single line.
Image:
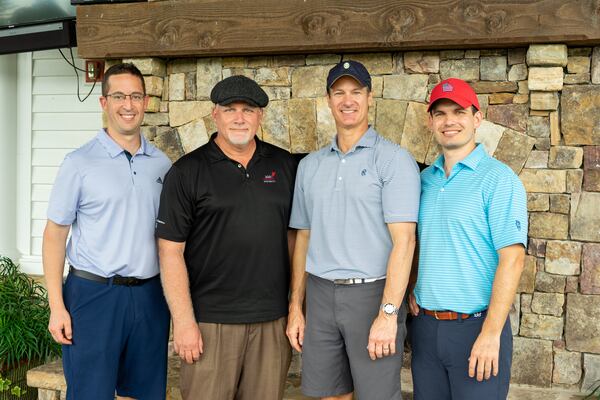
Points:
[(350, 68)]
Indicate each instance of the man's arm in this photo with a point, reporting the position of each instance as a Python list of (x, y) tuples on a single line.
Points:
[(291, 242), (296, 322), (413, 307), (484, 355), (384, 328), (187, 339), (53, 259)]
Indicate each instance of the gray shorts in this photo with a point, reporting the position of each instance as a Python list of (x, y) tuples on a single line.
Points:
[(335, 359)]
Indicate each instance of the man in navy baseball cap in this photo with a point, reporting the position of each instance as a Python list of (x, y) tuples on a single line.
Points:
[(356, 203)]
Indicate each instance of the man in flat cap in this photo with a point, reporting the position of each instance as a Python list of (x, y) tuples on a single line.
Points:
[(356, 204), (224, 256)]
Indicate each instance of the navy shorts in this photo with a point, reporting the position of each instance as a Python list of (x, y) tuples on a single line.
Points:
[(120, 338), (440, 360)]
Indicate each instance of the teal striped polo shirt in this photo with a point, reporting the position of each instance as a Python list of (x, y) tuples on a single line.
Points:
[(464, 220)]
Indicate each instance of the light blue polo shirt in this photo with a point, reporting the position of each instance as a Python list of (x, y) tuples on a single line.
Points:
[(111, 204), (346, 200), (464, 220)]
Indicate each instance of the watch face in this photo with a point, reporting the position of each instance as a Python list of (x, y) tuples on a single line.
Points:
[(389, 308)]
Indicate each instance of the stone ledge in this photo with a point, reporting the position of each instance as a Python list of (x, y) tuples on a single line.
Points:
[(51, 382)]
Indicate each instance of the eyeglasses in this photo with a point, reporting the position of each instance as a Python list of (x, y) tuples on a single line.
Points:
[(119, 97)]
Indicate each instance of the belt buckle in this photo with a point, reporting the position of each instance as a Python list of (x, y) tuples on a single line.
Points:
[(126, 280), (435, 314), (131, 281)]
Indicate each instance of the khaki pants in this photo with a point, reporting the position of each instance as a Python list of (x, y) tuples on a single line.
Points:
[(240, 362)]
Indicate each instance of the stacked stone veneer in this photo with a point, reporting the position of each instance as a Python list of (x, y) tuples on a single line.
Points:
[(542, 108)]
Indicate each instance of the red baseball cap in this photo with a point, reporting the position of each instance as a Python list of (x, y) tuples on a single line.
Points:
[(456, 90)]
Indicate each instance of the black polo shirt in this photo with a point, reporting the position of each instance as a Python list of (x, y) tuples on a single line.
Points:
[(234, 222)]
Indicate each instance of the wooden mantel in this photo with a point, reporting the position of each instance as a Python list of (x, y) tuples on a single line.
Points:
[(176, 28)]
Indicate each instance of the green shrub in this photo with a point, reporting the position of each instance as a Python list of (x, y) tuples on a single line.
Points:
[(24, 337)]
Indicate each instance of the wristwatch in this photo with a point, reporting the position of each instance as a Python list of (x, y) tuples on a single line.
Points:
[(389, 309)]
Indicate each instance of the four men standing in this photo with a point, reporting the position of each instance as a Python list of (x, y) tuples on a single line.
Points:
[(224, 253)]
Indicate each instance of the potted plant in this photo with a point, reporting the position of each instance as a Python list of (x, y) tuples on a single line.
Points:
[(24, 338)]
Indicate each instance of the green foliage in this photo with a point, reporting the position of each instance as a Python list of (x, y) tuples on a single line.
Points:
[(24, 317), (6, 385)]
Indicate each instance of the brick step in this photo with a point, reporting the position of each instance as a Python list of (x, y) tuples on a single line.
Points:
[(50, 381)]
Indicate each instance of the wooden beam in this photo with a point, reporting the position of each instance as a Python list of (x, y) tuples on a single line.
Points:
[(176, 28)]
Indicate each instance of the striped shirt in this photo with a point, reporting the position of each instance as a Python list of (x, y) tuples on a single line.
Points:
[(111, 203), (464, 220), (347, 200)]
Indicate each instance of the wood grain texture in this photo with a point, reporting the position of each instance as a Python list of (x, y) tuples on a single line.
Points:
[(230, 27)]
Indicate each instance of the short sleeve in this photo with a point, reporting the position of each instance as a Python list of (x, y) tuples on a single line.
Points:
[(401, 189), (299, 218), (176, 210), (66, 193), (507, 212)]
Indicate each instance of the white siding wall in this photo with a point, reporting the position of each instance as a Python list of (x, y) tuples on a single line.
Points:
[(59, 124)]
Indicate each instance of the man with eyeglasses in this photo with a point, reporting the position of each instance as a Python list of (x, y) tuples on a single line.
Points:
[(110, 314), (224, 253)]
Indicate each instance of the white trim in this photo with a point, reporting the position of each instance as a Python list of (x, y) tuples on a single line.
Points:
[(8, 159), (24, 116), (31, 265)]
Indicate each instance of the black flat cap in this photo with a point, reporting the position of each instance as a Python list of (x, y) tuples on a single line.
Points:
[(239, 88)]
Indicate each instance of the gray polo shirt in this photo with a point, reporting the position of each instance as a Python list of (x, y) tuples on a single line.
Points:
[(111, 204), (346, 200)]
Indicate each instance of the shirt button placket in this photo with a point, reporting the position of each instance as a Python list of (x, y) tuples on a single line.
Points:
[(338, 181)]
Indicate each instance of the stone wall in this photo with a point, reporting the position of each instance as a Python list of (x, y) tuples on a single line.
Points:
[(542, 108)]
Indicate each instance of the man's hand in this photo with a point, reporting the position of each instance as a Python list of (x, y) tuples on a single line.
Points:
[(413, 307), (382, 337), (187, 341), (483, 361), (295, 329), (60, 326)]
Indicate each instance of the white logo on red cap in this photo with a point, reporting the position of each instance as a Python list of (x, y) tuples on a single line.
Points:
[(446, 87)]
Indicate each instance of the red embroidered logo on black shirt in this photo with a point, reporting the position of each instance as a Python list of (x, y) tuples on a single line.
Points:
[(270, 178)]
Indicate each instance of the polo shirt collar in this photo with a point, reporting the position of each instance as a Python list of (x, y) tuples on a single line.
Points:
[(215, 153), (368, 139), (114, 149), (471, 161)]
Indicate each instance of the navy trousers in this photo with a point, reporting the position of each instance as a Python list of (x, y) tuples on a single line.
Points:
[(120, 338), (440, 360)]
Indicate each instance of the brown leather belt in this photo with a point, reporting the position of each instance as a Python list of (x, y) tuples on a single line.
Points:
[(446, 315)]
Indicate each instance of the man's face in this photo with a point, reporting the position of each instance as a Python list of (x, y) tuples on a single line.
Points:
[(349, 102), (453, 126), (237, 123), (124, 115)]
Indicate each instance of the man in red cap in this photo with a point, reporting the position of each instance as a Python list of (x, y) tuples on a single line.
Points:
[(472, 232)]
